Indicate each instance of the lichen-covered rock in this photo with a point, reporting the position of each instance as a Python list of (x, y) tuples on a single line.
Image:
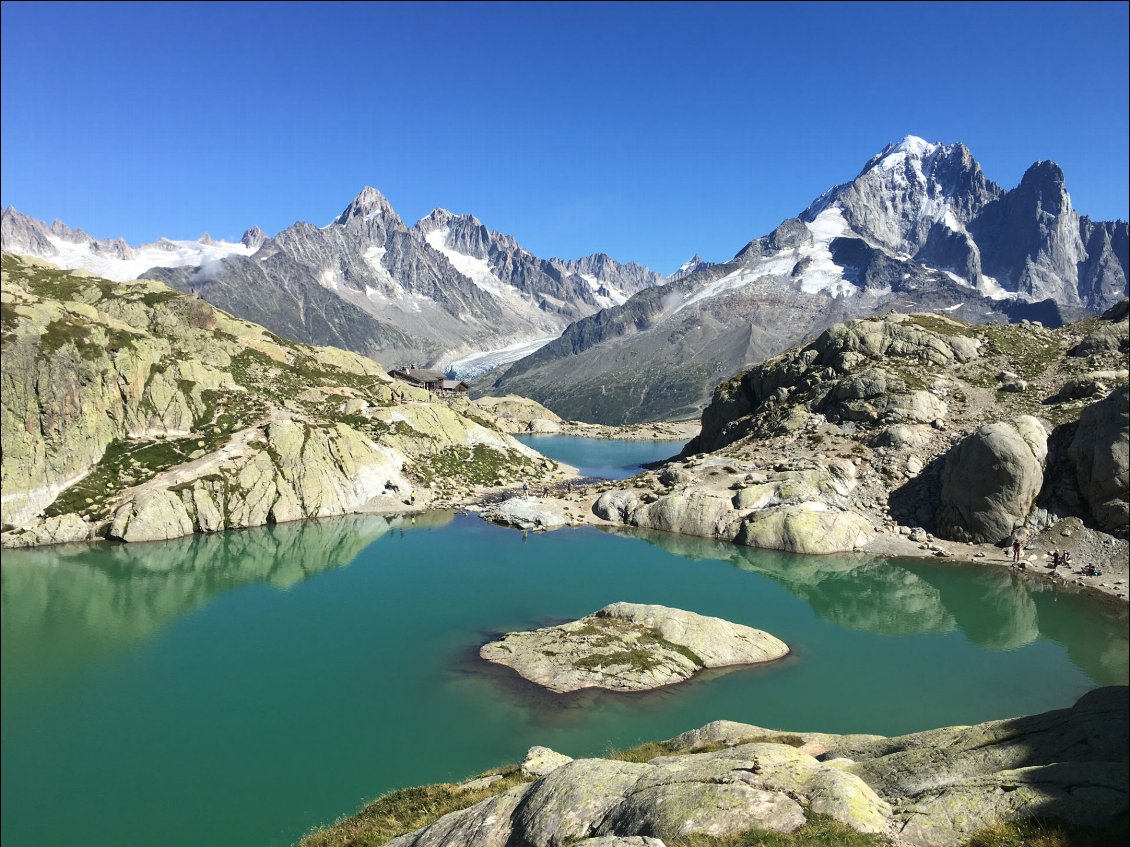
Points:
[(570, 802), (152, 516), (805, 528), (521, 414), (630, 647), (541, 760), (693, 512), (854, 371), (63, 529), (486, 824), (1100, 452), (835, 479), (929, 789), (676, 810), (991, 479), (951, 782)]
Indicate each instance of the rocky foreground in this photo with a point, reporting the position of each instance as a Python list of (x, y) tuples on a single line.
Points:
[(134, 412), (928, 789), (631, 647)]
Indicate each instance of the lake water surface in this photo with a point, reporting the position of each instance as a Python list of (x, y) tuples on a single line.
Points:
[(238, 689), (609, 458)]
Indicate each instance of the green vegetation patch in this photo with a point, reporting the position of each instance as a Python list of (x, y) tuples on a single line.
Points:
[(637, 658), (156, 298), (226, 412), (612, 632), (282, 381), (819, 831), (1029, 353), (1036, 832), (478, 465), (407, 810), (941, 326), (9, 323), (59, 284), (124, 464)]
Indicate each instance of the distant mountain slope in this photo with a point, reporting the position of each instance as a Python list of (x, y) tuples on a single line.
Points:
[(447, 290), (920, 228)]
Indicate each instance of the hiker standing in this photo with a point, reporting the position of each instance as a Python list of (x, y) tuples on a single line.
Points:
[(1016, 550)]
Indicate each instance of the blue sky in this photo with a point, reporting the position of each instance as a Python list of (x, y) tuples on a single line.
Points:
[(648, 131)]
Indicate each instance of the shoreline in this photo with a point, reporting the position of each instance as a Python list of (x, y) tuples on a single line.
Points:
[(576, 506)]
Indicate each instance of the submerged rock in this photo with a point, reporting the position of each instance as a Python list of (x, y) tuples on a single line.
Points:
[(630, 647)]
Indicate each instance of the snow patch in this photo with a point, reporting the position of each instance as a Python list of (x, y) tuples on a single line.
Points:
[(610, 296), (164, 253), (476, 270), (994, 290), (820, 273), (912, 146)]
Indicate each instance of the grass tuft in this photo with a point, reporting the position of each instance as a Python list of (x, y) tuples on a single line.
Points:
[(407, 810)]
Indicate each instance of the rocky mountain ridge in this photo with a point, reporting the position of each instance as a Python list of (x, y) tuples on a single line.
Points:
[(921, 228), (135, 412), (435, 293)]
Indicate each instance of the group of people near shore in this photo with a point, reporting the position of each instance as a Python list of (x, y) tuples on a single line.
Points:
[(1058, 560)]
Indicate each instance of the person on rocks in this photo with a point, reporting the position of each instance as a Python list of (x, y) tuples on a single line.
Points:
[(1055, 559), (1066, 559), (1016, 550)]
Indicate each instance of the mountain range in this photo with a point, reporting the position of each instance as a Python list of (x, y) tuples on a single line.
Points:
[(920, 228), (446, 292)]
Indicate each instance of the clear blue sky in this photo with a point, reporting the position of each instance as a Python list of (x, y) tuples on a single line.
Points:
[(649, 131)]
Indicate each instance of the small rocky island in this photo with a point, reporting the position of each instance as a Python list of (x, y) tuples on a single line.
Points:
[(631, 647)]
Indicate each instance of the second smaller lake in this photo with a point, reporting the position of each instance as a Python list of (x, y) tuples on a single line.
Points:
[(607, 458)]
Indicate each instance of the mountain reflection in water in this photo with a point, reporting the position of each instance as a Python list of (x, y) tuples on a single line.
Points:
[(994, 607)]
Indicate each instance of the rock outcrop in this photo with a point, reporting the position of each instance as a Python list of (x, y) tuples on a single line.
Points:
[(991, 480), (879, 432), (928, 789), (134, 412), (630, 647), (520, 414), (525, 513), (1099, 452)]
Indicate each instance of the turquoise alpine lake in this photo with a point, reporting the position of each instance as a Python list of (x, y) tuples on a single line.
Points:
[(242, 688), (607, 458)]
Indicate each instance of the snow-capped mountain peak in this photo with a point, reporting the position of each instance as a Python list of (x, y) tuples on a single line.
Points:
[(912, 153), (692, 262)]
